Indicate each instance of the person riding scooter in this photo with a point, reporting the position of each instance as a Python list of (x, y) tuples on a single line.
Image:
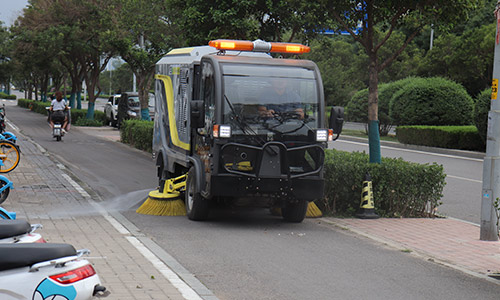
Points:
[(58, 109)]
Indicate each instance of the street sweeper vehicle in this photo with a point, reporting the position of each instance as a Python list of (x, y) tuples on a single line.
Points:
[(235, 125)]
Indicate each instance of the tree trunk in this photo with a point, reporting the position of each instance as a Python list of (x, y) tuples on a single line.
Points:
[(373, 123), (144, 78)]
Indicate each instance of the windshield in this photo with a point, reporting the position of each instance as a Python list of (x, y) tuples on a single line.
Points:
[(270, 100), (134, 101)]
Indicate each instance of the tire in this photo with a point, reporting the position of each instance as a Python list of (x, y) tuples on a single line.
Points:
[(196, 206), (114, 122), (10, 156), (4, 216), (295, 212), (4, 194), (58, 138)]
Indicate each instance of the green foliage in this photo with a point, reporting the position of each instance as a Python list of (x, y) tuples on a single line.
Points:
[(357, 108), (78, 116), (121, 80), (137, 133), (340, 63), (465, 58), (6, 96), (453, 137), (431, 101), (400, 188), (481, 109), (87, 122)]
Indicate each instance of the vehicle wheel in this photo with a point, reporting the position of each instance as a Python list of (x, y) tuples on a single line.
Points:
[(196, 205), (294, 211), (10, 155), (5, 193), (58, 138), (5, 216), (113, 121)]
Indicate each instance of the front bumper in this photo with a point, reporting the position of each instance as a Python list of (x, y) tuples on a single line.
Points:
[(272, 169), (306, 188)]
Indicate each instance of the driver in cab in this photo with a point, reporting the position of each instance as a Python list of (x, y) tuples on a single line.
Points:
[(281, 100)]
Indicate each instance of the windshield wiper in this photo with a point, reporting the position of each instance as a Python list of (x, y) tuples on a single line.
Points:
[(289, 115), (243, 125)]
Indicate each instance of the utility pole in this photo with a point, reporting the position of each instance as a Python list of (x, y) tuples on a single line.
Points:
[(491, 164)]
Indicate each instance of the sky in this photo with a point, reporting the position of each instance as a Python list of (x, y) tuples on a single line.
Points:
[(10, 10)]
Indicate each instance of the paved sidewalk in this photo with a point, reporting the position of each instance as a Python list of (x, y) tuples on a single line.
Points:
[(451, 242), (45, 192)]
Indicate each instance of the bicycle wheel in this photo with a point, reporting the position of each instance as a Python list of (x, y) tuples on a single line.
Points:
[(10, 156), (5, 193)]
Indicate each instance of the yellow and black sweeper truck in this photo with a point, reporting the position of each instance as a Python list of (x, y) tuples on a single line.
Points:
[(245, 127)]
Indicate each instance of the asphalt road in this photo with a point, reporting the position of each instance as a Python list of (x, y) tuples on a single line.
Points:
[(251, 254)]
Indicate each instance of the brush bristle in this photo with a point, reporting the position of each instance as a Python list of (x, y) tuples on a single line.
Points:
[(162, 207)]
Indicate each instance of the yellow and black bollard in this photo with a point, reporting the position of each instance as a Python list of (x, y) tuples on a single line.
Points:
[(367, 206)]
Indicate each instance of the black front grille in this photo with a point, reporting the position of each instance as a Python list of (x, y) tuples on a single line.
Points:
[(272, 160)]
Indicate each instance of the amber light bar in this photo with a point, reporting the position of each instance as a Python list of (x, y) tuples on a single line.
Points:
[(259, 46)]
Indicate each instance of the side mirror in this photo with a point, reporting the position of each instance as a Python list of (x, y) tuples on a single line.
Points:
[(197, 113), (336, 119)]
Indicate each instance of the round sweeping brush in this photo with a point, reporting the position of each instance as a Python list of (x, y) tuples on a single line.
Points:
[(166, 201)]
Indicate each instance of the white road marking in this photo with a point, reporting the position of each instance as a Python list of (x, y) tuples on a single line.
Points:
[(463, 178), (187, 292), (415, 151)]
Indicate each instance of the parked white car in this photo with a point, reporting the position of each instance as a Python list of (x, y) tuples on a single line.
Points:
[(111, 110)]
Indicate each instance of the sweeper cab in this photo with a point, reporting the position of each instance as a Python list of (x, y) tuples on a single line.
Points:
[(245, 127)]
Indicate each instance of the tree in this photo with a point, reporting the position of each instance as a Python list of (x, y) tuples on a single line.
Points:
[(371, 23), (145, 36)]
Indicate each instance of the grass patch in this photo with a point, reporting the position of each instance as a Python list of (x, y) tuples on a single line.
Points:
[(362, 134)]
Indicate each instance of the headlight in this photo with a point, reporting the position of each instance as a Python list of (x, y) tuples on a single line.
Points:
[(132, 113), (222, 131), (322, 135)]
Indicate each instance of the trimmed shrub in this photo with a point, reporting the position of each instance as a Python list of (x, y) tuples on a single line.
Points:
[(7, 96), (400, 188), (431, 101), (357, 108), (78, 116), (87, 122), (453, 137), (138, 134), (481, 108)]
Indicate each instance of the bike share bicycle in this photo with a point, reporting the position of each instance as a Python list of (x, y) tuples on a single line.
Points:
[(10, 155)]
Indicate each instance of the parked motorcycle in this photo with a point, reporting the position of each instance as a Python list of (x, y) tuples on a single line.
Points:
[(19, 231), (47, 271)]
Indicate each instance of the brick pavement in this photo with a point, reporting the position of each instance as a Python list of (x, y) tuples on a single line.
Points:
[(44, 192), (445, 240)]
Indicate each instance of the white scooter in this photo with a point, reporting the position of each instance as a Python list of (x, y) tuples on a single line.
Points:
[(47, 271), (19, 231)]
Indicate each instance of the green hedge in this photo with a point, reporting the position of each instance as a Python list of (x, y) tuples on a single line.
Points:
[(453, 137), (7, 96), (431, 101), (137, 133), (78, 116), (400, 188)]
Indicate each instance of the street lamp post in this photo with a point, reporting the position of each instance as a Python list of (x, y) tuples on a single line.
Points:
[(491, 164)]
